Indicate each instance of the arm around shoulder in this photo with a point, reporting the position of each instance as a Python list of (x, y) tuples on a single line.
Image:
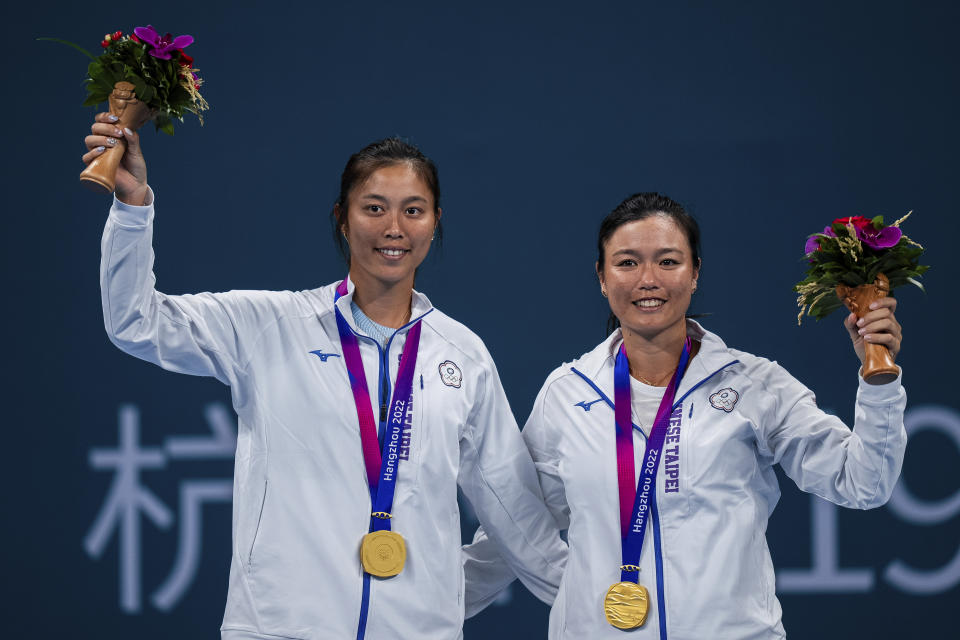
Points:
[(499, 478)]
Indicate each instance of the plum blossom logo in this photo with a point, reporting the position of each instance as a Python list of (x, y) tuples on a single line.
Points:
[(725, 399), (450, 374)]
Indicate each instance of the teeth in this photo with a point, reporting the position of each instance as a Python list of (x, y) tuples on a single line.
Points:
[(391, 252), (648, 303)]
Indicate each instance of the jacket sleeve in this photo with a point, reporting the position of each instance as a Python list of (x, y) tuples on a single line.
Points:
[(486, 573), (542, 446), (194, 334), (486, 570), (857, 468), (500, 480)]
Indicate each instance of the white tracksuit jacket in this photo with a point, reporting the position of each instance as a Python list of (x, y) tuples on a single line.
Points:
[(705, 559), (301, 502)]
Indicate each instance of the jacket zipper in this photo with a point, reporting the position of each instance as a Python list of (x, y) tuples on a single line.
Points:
[(384, 392), (384, 389), (365, 595), (384, 395)]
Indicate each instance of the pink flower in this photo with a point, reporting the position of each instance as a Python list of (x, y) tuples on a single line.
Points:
[(162, 45), (876, 239), (813, 242), (868, 234), (879, 238)]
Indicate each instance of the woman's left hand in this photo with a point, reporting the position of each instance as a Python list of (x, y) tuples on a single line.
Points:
[(878, 326)]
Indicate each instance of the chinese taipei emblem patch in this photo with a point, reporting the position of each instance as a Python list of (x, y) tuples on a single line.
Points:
[(450, 374), (725, 399)]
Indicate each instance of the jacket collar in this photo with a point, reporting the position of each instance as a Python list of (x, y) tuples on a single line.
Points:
[(420, 304), (713, 355)]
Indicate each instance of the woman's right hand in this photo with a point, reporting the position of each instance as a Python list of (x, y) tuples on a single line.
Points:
[(131, 185)]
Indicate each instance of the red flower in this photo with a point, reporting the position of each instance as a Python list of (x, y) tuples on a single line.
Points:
[(134, 37), (858, 222), (117, 35), (104, 44), (185, 60)]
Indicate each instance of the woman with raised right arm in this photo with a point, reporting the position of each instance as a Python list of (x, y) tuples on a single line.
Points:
[(361, 409)]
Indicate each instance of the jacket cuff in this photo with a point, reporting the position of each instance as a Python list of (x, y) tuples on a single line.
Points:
[(880, 393), (127, 215)]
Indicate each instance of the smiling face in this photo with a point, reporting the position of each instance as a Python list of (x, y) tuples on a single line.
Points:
[(648, 275), (390, 220)]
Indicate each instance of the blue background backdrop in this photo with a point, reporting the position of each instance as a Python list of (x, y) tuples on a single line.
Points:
[(767, 119)]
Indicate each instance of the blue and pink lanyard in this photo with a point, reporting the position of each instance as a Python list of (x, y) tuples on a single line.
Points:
[(381, 470), (636, 499)]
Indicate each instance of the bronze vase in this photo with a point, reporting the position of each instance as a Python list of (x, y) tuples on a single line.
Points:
[(877, 360), (101, 174)]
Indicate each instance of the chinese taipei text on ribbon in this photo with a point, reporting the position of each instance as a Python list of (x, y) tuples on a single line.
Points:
[(627, 602)]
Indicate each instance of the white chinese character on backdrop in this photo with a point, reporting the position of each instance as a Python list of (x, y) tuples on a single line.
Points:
[(127, 497), (826, 574)]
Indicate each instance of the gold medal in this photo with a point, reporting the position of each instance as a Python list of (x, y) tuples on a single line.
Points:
[(626, 605), (383, 553)]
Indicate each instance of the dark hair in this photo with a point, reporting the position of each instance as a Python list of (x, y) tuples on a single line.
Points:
[(640, 206), (374, 156)]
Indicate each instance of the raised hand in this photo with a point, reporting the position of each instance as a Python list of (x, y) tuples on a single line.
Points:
[(131, 184), (878, 326)]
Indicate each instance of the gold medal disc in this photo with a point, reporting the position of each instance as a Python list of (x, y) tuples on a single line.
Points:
[(626, 605), (383, 553)]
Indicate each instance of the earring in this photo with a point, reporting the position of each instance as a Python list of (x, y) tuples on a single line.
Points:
[(603, 291), (694, 287)]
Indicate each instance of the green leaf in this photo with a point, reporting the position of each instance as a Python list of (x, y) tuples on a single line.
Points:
[(139, 85), (851, 279), (179, 96), (70, 44), (100, 77), (916, 284), (163, 123), (95, 68), (877, 222)]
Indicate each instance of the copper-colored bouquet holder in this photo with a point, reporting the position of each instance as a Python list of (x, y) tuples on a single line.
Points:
[(877, 359), (101, 174)]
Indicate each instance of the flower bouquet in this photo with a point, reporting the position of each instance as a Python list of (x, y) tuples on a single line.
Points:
[(852, 263), (144, 76)]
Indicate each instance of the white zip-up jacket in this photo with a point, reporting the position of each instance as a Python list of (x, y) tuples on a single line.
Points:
[(705, 559), (301, 502)]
